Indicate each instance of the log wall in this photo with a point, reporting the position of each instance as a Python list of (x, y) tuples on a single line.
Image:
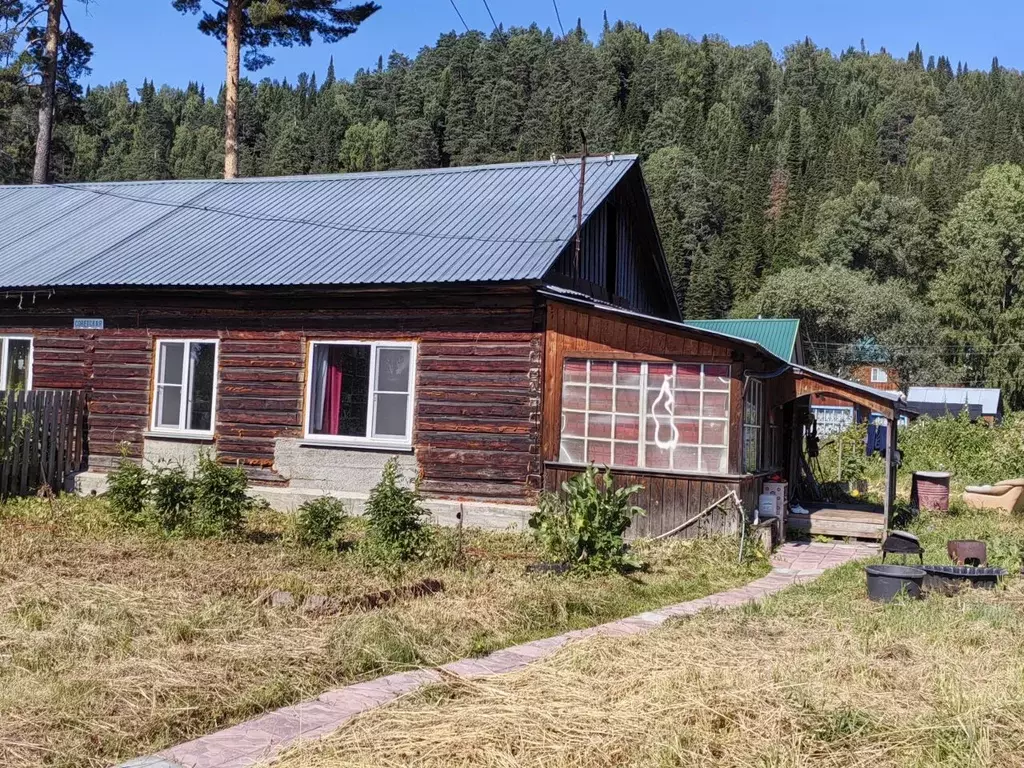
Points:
[(476, 423)]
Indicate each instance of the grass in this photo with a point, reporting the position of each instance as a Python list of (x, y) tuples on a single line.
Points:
[(115, 644), (815, 676)]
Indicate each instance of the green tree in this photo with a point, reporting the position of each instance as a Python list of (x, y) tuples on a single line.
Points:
[(258, 24), (980, 293)]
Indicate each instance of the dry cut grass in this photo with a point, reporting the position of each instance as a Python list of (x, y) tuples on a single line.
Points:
[(114, 645), (817, 676)]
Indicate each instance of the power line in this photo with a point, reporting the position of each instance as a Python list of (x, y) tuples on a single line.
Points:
[(559, 17), (310, 222), (492, 18), (459, 13)]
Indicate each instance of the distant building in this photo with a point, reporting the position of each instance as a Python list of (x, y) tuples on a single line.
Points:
[(985, 403)]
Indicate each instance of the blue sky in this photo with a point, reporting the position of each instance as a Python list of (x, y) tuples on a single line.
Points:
[(136, 39)]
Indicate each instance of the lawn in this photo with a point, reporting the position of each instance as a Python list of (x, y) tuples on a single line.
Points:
[(117, 644), (815, 676)]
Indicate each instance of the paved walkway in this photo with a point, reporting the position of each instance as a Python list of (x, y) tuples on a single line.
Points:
[(249, 743)]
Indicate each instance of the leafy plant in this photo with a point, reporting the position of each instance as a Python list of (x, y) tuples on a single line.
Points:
[(127, 492), (583, 526), (219, 499), (318, 523), (172, 491), (394, 519)]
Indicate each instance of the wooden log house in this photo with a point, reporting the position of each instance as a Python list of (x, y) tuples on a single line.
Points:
[(309, 328)]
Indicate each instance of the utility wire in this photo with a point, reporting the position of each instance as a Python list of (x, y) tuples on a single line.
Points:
[(492, 18), (310, 222), (459, 13), (559, 17)]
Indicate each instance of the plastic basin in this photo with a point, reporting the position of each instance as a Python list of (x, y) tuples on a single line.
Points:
[(886, 582)]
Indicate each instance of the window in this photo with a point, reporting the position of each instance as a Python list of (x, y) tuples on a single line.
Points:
[(186, 373), (15, 363), (879, 376), (660, 416), (361, 392), (753, 414)]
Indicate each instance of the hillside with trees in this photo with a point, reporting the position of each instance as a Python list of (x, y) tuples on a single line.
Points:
[(876, 197)]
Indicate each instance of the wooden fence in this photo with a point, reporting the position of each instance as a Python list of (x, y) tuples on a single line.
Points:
[(42, 436)]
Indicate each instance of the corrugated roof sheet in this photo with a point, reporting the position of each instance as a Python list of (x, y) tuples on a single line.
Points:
[(476, 224), (778, 336), (988, 399)]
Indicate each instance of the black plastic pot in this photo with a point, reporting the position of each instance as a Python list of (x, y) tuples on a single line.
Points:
[(951, 578), (885, 582)]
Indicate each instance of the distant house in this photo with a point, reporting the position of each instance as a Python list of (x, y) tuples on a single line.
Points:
[(309, 328), (985, 403)]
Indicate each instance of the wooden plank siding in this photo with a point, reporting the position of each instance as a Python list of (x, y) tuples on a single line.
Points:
[(476, 428), (670, 498), (41, 439)]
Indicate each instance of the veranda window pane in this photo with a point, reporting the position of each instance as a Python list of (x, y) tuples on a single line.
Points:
[(601, 373), (713, 460), (626, 454), (571, 451), (392, 415), (716, 377), (715, 432), (18, 353), (627, 428), (202, 371), (599, 425), (689, 431), (574, 397), (716, 405), (628, 375), (627, 401), (575, 372), (687, 404), (601, 399), (574, 424), (684, 458), (657, 458), (688, 376), (599, 452)]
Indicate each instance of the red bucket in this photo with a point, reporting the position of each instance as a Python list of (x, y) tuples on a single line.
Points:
[(930, 490)]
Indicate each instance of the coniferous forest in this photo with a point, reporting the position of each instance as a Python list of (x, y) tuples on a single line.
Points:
[(880, 198)]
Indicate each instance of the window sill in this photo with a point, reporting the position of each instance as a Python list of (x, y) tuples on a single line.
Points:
[(312, 442), (190, 437)]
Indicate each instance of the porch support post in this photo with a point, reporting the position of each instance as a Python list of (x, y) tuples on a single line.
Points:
[(890, 472)]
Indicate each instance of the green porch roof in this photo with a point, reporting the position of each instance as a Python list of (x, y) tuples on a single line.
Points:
[(778, 336)]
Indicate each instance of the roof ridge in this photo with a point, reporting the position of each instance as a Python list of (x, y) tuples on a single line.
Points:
[(321, 177)]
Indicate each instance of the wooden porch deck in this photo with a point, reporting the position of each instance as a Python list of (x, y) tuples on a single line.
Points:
[(846, 520)]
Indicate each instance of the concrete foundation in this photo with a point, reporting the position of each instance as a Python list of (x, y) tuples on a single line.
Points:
[(335, 470)]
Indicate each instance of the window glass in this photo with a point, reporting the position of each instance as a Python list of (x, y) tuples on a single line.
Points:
[(664, 416), (753, 418), (361, 391), (16, 366), (202, 370), (185, 382)]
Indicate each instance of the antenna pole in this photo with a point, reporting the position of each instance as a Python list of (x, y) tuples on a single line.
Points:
[(579, 207)]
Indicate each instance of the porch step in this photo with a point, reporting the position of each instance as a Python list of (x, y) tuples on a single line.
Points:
[(845, 523)]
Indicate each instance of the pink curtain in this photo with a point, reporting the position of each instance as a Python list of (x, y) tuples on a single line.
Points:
[(332, 393)]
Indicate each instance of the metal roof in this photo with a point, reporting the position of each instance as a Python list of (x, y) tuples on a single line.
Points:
[(778, 336), (988, 399), (475, 224)]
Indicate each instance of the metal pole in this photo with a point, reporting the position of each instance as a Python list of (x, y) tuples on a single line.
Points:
[(579, 208)]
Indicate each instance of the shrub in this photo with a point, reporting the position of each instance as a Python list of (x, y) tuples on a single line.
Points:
[(394, 519), (172, 491), (219, 499), (127, 493), (583, 526), (318, 523)]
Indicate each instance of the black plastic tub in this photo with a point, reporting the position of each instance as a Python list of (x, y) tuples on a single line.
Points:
[(885, 582), (951, 578)]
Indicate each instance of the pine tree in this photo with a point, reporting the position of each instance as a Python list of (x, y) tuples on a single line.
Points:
[(258, 24)]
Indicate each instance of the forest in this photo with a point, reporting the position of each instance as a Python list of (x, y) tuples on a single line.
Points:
[(879, 198)]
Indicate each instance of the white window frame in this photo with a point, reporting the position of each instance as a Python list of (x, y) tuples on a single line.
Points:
[(879, 376), (368, 440), (186, 389), (643, 414), (4, 351), (754, 397)]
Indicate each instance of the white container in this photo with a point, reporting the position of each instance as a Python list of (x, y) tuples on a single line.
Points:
[(781, 493)]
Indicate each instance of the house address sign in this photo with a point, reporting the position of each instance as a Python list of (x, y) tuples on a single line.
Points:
[(88, 324)]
